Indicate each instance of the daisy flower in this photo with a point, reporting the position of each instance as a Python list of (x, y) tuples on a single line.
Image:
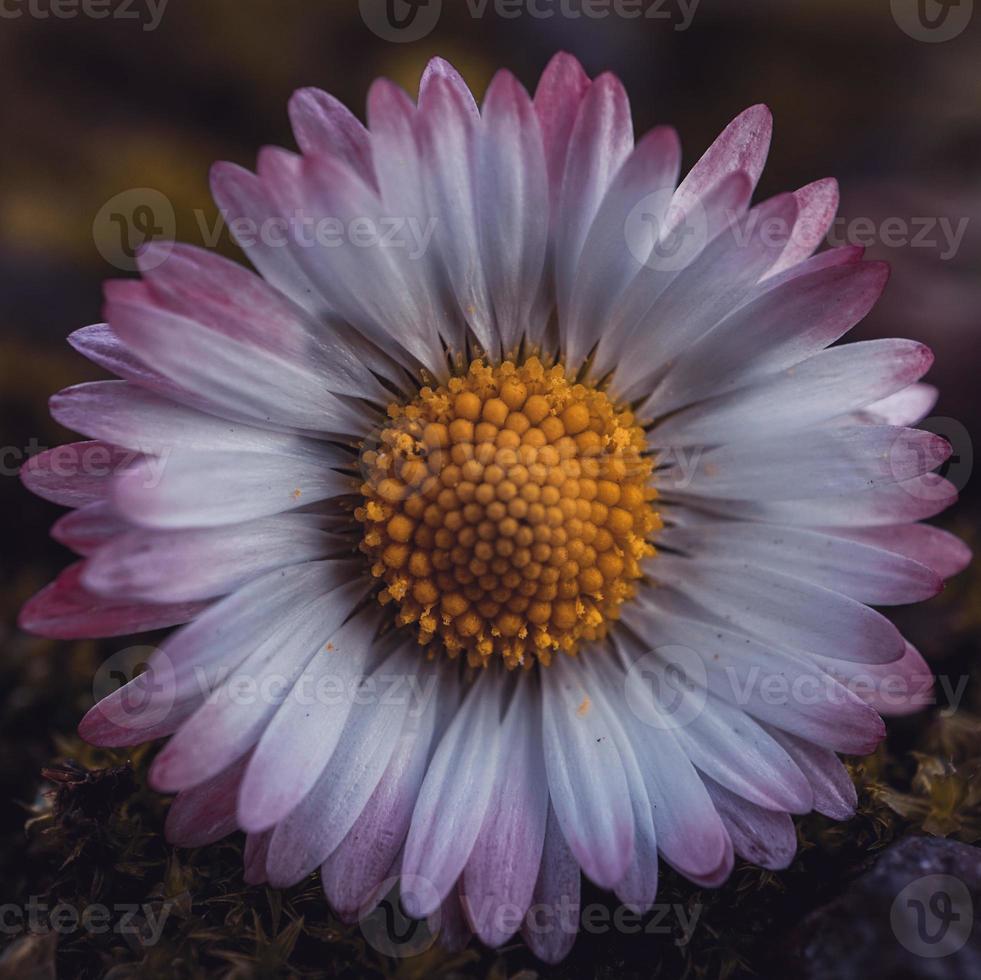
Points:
[(521, 517)]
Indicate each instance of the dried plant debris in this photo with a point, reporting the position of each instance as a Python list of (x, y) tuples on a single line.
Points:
[(944, 796)]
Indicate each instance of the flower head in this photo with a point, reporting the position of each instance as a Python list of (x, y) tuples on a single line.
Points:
[(521, 515)]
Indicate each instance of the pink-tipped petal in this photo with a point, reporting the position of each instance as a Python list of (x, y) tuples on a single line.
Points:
[(742, 145), (561, 89), (206, 813), (76, 474), (553, 921), (65, 610), (323, 124), (765, 837), (817, 205)]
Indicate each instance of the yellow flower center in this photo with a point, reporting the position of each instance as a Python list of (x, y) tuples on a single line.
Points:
[(507, 513)]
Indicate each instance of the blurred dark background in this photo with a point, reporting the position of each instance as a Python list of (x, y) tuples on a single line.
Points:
[(148, 95)]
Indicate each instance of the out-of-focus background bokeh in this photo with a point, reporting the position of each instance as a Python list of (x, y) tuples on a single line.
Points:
[(101, 98)]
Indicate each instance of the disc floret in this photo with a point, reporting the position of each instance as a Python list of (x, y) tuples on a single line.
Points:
[(507, 512)]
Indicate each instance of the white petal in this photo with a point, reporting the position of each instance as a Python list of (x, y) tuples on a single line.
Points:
[(175, 566), (718, 280), (130, 416), (835, 381), (868, 572), (724, 742), (786, 690), (316, 827), (600, 141), (764, 837), (923, 543), (455, 795), (248, 208), (306, 728), (365, 268), (834, 792), (191, 661), (233, 373), (817, 204), (794, 466), (366, 856), (232, 719), (399, 169), (608, 263), (742, 146), (690, 835), (196, 489), (638, 887), (323, 124), (907, 407), (447, 133), (586, 780), (882, 506), (499, 880), (229, 299), (553, 921), (512, 205), (89, 528), (689, 226), (786, 612), (822, 305), (205, 813)]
